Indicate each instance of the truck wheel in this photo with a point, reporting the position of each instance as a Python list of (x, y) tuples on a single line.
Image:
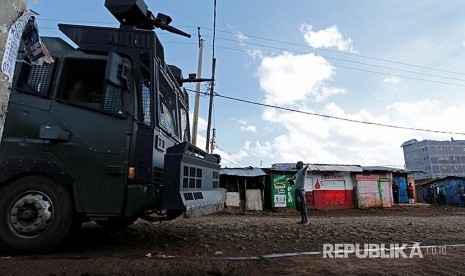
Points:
[(36, 213)]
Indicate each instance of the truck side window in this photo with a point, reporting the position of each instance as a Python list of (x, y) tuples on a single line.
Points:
[(168, 117), (35, 79), (146, 104), (145, 99), (184, 124), (83, 85)]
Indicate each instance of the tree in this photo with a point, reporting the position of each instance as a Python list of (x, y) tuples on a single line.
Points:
[(10, 10)]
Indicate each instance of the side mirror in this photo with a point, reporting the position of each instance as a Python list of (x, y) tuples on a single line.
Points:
[(116, 73)]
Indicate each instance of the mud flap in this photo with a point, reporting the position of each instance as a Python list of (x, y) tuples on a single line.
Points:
[(191, 181)]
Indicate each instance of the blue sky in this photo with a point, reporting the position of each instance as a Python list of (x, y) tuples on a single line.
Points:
[(390, 62)]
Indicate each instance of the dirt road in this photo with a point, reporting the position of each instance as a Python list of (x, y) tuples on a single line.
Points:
[(253, 244)]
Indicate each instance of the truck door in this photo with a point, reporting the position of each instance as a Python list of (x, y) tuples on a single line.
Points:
[(28, 109), (93, 115)]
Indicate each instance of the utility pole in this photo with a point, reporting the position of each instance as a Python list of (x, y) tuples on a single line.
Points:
[(210, 107), (10, 10), (212, 144), (197, 94)]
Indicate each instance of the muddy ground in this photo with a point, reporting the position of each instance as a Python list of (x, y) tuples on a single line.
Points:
[(252, 244)]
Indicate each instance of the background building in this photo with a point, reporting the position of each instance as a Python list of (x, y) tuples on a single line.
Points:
[(431, 159)]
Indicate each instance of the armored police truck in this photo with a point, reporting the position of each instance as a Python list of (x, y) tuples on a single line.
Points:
[(101, 134)]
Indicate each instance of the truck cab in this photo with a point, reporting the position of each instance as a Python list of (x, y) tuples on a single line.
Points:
[(100, 134)]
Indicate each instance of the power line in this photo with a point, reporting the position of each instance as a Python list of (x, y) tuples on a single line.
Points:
[(212, 91), (327, 57), (299, 45), (346, 60), (357, 69), (371, 71), (243, 163), (340, 52), (232, 162), (335, 117)]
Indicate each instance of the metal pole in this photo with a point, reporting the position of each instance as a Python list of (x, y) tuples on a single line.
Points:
[(9, 13), (212, 144), (207, 146), (197, 94)]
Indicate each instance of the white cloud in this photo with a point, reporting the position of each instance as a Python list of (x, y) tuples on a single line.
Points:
[(393, 80), (327, 38), (229, 160), (463, 43), (302, 80), (290, 79), (249, 128), (255, 54), (201, 128), (263, 149), (239, 121), (414, 108), (319, 140), (244, 126), (328, 91), (202, 124), (241, 37)]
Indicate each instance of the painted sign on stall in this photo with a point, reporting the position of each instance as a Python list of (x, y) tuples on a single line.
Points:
[(282, 191), (333, 190), (368, 191)]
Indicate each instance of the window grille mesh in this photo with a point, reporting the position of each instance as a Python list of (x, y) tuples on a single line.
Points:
[(168, 117), (146, 113), (35, 79), (84, 86)]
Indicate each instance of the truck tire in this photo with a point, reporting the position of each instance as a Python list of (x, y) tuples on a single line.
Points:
[(36, 213)]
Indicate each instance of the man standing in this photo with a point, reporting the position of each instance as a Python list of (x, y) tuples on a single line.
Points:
[(431, 194), (395, 192), (462, 195), (442, 195), (298, 181), (410, 193), (436, 194)]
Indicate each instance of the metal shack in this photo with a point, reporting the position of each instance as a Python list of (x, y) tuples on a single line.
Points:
[(330, 186), (373, 186), (326, 186), (248, 183), (373, 189), (451, 185), (279, 192)]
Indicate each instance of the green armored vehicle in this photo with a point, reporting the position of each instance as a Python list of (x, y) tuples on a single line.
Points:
[(101, 134)]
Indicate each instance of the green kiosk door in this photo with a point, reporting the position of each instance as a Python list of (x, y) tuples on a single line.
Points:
[(282, 192)]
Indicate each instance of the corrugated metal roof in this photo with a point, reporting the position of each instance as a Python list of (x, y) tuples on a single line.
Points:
[(424, 182), (247, 172), (409, 142), (335, 168), (318, 167), (384, 169)]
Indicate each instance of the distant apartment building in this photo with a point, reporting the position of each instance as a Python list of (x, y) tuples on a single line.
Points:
[(430, 158)]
